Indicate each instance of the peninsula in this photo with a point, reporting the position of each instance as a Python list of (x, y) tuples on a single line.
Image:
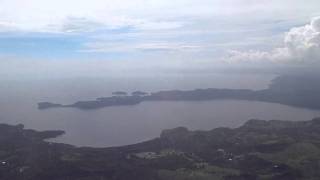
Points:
[(295, 90)]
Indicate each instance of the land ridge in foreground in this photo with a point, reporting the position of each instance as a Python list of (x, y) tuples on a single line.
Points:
[(259, 149), (294, 90)]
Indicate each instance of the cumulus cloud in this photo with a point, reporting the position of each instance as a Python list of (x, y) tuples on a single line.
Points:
[(301, 45)]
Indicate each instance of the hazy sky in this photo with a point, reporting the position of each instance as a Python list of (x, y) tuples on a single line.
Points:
[(39, 37)]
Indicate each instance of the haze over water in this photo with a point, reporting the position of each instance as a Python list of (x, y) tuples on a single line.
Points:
[(114, 126)]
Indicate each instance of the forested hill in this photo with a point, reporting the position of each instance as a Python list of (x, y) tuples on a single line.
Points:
[(266, 150)]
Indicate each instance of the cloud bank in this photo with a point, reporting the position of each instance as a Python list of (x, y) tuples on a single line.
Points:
[(99, 37), (61, 16), (301, 45)]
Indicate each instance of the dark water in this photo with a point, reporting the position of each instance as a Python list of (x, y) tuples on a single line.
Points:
[(130, 124)]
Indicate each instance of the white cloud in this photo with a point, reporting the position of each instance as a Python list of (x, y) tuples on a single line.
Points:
[(56, 15), (140, 46), (179, 29), (301, 45)]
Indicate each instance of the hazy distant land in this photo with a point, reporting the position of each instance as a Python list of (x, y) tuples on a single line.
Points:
[(294, 90)]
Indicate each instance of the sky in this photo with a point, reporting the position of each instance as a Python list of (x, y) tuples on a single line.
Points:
[(72, 37)]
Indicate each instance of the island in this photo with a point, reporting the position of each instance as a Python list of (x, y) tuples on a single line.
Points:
[(258, 150), (293, 90), (98, 103)]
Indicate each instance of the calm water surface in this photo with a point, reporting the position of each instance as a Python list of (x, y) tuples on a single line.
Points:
[(115, 126)]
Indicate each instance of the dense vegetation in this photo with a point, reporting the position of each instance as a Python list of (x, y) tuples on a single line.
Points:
[(257, 150)]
